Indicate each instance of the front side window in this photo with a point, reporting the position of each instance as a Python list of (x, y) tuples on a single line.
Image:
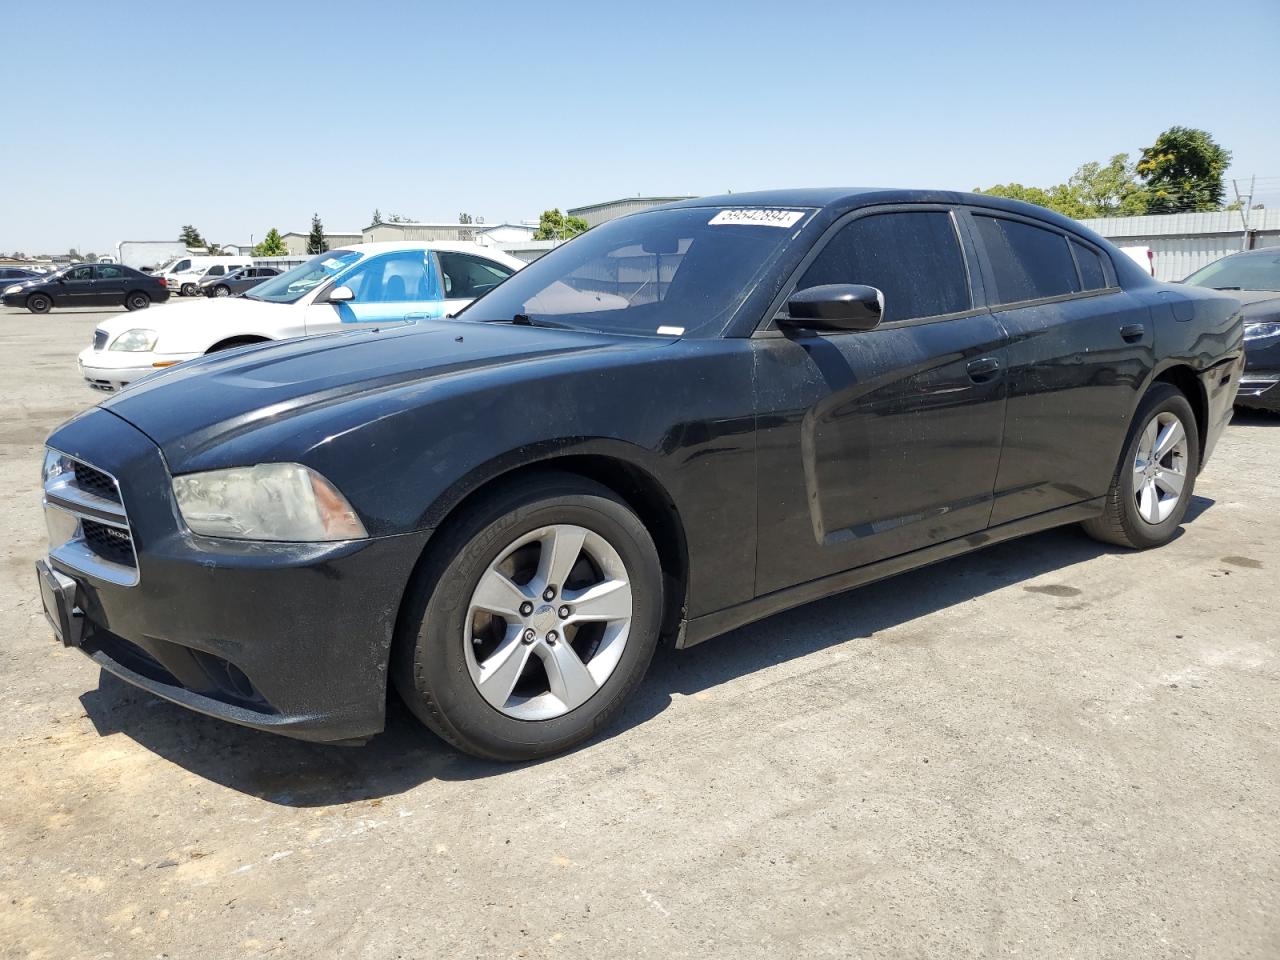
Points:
[(79, 273), (1029, 263), (467, 277), (685, 270), (913, 258), (180, 266), (394, 278), (293, 285)]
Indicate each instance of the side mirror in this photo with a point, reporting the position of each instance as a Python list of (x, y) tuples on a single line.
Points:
[(834, 306), (341, 294)]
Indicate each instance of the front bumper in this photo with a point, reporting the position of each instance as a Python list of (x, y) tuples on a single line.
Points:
[(288, 638), (110, 372), (1258, 384)]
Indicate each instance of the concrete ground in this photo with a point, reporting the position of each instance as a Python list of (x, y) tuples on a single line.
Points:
[(1049, 749)]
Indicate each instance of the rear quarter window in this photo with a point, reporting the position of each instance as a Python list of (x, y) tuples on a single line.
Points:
[(1028, 263), (1092, 276)]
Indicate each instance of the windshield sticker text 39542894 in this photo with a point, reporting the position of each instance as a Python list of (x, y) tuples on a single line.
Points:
[(762, 218)]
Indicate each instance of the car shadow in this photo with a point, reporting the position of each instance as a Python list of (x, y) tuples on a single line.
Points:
[(1246, 417), (404, 755)]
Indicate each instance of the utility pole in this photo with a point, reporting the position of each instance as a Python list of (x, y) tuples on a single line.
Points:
[(1245, 201)]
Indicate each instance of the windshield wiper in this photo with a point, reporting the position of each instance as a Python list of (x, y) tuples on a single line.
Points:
[(524, 320)]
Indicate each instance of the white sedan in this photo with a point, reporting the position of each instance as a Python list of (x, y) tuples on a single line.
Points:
[(364, 285)]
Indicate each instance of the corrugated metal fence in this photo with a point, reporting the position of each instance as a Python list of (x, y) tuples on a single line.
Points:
[(1185, 242)]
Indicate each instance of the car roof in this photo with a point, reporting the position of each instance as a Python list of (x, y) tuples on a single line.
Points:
[(382, 246), (843, 199)]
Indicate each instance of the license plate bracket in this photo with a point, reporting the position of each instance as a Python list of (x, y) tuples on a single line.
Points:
[(58, 594)]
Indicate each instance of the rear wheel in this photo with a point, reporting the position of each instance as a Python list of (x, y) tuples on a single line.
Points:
[(39, 303), (532, 621), (1156, 475), (137, 300)]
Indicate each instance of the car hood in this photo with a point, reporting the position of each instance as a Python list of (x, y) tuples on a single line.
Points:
[(192, 326), (192, 406)]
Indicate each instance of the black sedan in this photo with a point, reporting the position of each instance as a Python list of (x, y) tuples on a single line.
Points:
[(88, 285), (677, 423), (1253, 278), (238, 281), (12, 275)]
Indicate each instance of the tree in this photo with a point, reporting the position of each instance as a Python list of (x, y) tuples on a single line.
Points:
[(377, 217), (1183, 171), (1112, 190), (554, 225), (213, 249), (465, 218), (397, 218), (272, 245), (190, 236), (316, 242)]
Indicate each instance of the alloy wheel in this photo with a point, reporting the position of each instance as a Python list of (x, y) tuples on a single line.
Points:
[(548, 622), (1160, 467)]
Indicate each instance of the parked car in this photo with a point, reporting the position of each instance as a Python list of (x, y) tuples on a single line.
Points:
[(237, 281), (1253, 278), (12, 275), (365, 285), (184, 274), (676, 423), (88, 285)]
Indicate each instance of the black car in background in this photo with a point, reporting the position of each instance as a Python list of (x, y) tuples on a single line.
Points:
[(88, 285), (238, 281), (676, 423), (1253, 278), (12, 275)]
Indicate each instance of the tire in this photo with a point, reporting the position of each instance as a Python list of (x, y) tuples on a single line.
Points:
[(1141, 508), (137, 300), (222, 290), (39, 303), (187, 290), (443, 636)]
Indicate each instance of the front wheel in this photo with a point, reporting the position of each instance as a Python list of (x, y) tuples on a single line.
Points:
[(187, 290), (1154, 480), (532, 621), (39, 303), (222, 290)]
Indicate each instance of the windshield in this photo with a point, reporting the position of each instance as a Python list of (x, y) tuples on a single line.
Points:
[(296, 283), (679, 272), (1252, 271)]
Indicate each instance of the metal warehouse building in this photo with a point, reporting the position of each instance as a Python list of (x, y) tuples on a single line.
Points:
[(598, 213)]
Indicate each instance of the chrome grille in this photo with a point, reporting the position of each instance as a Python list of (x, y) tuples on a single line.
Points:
[(88, 527), (99, 339)]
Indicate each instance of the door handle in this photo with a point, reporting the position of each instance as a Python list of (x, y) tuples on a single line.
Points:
[(983, 369), (1133, 332)]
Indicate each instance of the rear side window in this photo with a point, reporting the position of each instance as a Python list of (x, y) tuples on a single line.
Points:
[(1028, 262), (914, 259), (1092, 276), (110, 273), (467, 277)]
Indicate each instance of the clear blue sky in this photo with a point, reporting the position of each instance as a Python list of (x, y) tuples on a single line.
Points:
[(242, 116)]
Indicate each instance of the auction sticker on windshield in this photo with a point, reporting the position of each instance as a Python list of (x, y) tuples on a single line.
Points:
[(763, 218)]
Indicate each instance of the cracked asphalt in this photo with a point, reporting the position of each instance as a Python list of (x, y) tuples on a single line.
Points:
[(1046, 749)]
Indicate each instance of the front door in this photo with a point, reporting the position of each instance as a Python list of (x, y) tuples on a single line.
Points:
[(387, 290), (75, 288), (877, 443)]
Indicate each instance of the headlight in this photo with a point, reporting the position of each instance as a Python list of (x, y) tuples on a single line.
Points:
[(13, 289), (135, 341), (55, 465), (270, 501), (1261, 331)]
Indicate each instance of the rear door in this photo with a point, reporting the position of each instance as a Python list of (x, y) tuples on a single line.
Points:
[(877, 443), (110, 284), (466, 277), (388, 289), (1080, 348)]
